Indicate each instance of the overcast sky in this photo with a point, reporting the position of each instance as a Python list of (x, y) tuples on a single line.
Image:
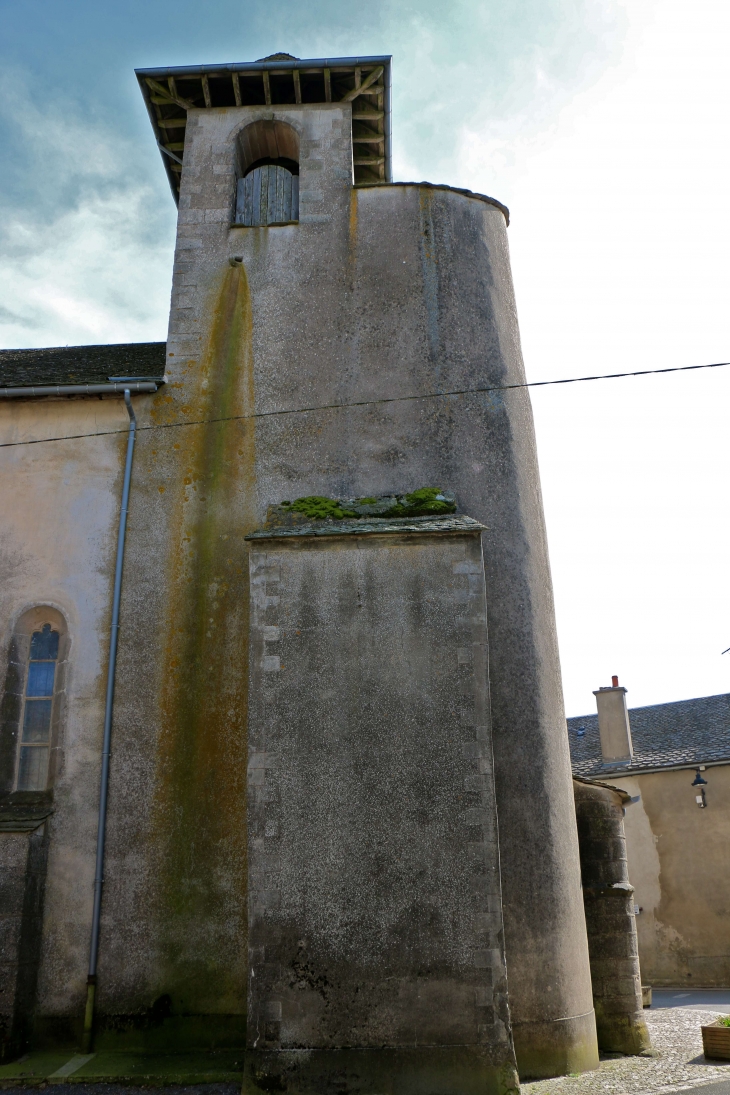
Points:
[(603, 126)]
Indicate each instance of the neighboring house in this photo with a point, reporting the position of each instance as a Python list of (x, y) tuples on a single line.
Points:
[(673, 759)]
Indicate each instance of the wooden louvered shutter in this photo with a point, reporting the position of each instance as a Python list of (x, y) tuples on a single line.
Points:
[(267, 195)]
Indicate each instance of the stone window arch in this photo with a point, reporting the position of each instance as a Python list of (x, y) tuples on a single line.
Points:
[(31, 706), (267, 174)]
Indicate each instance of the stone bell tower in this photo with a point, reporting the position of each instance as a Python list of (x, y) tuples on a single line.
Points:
[(412, 877)]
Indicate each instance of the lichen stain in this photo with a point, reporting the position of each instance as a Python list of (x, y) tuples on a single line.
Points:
[(352, 240), (430, 274), (200, 808)]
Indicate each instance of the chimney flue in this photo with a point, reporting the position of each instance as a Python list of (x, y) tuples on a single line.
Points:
[(613, 724)]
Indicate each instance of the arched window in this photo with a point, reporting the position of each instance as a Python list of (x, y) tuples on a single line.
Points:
[(267, 188), (35, 735), (32, 701)]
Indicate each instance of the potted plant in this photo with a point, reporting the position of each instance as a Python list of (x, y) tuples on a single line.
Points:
[(716, 1038)]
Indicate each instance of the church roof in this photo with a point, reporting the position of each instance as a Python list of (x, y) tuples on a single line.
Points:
[(82, 364), (277, 80), (665, 735)]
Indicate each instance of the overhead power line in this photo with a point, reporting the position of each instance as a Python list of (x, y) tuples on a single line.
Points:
[(615, 376), (370, 403)]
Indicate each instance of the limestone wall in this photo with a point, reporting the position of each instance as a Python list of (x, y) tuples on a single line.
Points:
[(302, 359), (609, 903), (384, 297), (375, 905), (60, 510)]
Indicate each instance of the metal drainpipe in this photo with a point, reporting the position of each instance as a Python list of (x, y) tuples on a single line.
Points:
[(105, 752)]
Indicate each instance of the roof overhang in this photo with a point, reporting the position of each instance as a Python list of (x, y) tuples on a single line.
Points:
[(644, 769), (279, 80)]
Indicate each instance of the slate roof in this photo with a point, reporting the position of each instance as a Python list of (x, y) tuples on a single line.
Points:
[(81, 364), (664, 735)]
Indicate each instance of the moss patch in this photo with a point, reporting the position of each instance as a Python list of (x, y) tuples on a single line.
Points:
[(425, 502), (318, 508)]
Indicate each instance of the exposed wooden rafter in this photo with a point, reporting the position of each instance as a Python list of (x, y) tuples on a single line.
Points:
[(360, 87), (168, 151), (276, 81), (168, 97)]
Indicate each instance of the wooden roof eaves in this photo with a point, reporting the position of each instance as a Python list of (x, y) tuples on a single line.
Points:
[(159, 138), (203, 72), (312, 64)]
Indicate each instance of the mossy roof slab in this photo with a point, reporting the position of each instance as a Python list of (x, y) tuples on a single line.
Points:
[(375, 525)]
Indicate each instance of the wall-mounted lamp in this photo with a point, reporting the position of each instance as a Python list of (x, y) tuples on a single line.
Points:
[(698, 781)]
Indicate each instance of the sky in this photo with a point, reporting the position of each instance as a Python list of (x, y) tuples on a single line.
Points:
[(602, 124)]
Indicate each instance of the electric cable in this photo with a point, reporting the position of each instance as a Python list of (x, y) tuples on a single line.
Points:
[(371, 402)]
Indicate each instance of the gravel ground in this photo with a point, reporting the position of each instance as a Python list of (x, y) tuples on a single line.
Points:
[(679, 1062)]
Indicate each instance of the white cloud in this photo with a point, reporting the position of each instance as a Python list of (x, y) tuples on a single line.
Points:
[(619, 239), (602, 124), (87, 245)]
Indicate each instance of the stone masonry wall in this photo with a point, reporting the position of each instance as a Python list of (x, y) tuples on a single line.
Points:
[(609, 903), (376, 941)]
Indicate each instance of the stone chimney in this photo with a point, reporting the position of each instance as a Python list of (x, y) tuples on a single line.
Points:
[(613, 724)]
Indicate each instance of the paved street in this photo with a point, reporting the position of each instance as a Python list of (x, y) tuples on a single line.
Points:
[(679, 1062), (705, 1000)]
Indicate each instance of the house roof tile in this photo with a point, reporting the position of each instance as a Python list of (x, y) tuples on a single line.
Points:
[(665, 735), (81, 364)]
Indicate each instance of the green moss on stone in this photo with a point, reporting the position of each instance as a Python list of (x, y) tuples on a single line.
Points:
[(318, 508), (426, 502)]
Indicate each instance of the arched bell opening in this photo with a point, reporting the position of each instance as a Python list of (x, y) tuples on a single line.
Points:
[(267, 187)]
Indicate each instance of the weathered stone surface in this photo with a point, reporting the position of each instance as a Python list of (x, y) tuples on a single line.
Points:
[(374, 900), (610, 920), (357, 322), (373, 525), (23, 858), (314, 365)]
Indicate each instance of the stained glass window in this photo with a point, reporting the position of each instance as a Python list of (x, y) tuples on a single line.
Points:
[(35, 736)]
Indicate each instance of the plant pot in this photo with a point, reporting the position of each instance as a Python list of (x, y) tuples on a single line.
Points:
[(716, 1040)]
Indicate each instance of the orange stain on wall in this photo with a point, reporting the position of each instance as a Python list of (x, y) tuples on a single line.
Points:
[(200, 806)]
